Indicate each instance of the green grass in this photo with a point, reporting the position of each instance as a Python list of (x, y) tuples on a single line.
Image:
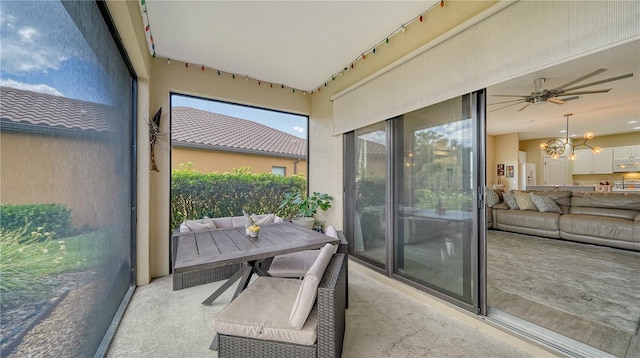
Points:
[(28, 257)]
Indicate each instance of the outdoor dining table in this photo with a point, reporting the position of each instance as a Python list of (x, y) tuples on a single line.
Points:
[(220, 247)]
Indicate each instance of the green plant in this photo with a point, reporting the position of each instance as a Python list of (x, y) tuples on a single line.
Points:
[(306, 205), (55, 218)]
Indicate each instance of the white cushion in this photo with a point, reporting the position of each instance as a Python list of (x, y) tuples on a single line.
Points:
[(202, 224), (184, 227), (224, 222), (309, 289), (262, 311), (331, 231), (263, 219), (295, 264)]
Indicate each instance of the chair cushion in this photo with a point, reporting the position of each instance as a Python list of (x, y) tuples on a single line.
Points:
[(295, 264), (331, 231), (263, 219), (199, 225), (309, 288), (262, 311)]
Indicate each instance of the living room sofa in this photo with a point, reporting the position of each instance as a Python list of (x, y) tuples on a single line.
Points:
[(609, 219)]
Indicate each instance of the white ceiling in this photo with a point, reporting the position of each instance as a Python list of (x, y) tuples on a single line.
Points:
[(301, 44)]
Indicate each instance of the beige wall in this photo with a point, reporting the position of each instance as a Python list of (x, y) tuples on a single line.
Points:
[(157, 79), (205, 161), (25, 157), (505, 151)]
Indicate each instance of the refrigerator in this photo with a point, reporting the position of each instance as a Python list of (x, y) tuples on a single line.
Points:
[(527, 175)]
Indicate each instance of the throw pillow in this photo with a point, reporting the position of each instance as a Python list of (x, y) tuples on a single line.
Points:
[(545, 204), (510, 199), (524, 201), (263, 219), (491, 198), (309, 288), (198, 225)]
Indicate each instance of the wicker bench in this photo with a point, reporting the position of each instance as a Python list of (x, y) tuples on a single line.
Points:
[(328, 314)]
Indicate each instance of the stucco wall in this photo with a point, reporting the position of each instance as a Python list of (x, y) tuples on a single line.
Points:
[(205, 161), (26, 157)]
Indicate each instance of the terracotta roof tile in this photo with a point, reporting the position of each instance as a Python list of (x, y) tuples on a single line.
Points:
[(190, 126), (32, 108)]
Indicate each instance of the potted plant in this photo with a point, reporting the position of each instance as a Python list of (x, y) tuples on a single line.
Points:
[(305, 207)]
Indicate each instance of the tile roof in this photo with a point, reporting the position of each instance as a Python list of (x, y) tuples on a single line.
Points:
[(25, 109), (197, 128)]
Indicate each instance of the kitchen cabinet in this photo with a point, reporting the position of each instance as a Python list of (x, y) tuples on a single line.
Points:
[(589, 163), (626, 152)]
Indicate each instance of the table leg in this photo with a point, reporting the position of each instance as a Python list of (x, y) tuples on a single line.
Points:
[(216, 342), (244, 281), (226, 285)]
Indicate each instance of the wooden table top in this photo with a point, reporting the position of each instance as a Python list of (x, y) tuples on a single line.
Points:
[(221, 247)]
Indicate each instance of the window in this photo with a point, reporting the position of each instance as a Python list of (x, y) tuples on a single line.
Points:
[(279, 171)]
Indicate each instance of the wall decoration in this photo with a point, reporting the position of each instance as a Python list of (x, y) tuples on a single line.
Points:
[(154, 133), (500, 170), (510, 171)]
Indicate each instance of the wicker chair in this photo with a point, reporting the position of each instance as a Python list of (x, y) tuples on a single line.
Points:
[(330, 303)]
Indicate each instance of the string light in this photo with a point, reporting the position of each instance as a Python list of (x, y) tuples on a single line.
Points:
[(363, 56)]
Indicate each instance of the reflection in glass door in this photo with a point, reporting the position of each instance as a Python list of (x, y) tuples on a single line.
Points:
[(433, 190), (369, 216)]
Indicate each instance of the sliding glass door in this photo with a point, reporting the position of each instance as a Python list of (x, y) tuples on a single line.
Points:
[(412, 197)]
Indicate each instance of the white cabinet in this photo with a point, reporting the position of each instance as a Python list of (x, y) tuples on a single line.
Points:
[(626, 152), (589, 163)]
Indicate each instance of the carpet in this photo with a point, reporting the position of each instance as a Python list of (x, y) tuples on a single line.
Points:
[(597, 283)]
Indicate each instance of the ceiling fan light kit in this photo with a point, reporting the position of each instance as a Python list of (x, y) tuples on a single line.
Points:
[(555, 147)]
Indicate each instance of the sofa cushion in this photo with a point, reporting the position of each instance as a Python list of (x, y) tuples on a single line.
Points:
[(524, 201), (491, 198), (602, 227), (510, 199), (623, 201), (561, 197), (262, 311), (545, 204), (200, 225), (309, 288), (295, 264), (263, 219)]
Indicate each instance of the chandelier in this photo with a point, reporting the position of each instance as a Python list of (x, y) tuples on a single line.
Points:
[(555, 147)]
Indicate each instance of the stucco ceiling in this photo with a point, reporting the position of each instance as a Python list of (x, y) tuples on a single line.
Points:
[(301, 44)]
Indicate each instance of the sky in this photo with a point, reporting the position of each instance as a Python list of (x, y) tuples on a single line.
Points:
[(293, 124), (47, 55)]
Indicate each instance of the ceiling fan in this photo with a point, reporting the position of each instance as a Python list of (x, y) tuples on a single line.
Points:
[(558, 95)]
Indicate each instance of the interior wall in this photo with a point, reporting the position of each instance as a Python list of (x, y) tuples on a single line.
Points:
[(506, 152)]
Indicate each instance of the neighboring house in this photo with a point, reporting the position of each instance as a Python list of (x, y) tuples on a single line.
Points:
[(41, 135), (217, 143)]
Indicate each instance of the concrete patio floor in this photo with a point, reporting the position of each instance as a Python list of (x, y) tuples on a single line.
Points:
[(385, 319)]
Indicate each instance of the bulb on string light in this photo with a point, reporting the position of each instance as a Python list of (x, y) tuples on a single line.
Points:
[(146, 28), (246, 78), (259, 83), (420, 18), (151, 38), (154, 54), (374, 50), (203, 68), (402, 28), (352, 66), (271, 85), (233, 76), (153, 47), (441, 3), (282, 86), (142, 2), (386, 40), (168, 61), (218, 72), (186, 65)]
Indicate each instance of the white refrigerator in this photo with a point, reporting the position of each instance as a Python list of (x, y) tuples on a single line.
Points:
[(527, 175)]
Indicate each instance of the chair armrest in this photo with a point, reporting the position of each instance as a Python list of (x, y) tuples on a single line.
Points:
[(343, 247), (332, 292), (174, 246)]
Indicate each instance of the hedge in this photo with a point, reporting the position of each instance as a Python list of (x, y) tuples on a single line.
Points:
[(196, 195), (49, 217)]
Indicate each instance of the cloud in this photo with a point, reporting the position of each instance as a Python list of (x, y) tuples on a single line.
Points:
[(40, 88), (298, 129), (37, 37)]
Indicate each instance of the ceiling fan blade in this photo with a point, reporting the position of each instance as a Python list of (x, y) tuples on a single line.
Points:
[(585, 92), (507, 95), (599, 82), (509, 105), (525, 106), (513, 100), (570, 98), (556, 100), (596, 72)]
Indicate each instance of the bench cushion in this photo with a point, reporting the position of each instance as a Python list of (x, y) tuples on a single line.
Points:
[(297, 264), (262, 311), (309, 288)]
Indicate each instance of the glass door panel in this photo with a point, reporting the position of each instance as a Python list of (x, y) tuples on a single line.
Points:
[(369, 217), (433, 184)]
